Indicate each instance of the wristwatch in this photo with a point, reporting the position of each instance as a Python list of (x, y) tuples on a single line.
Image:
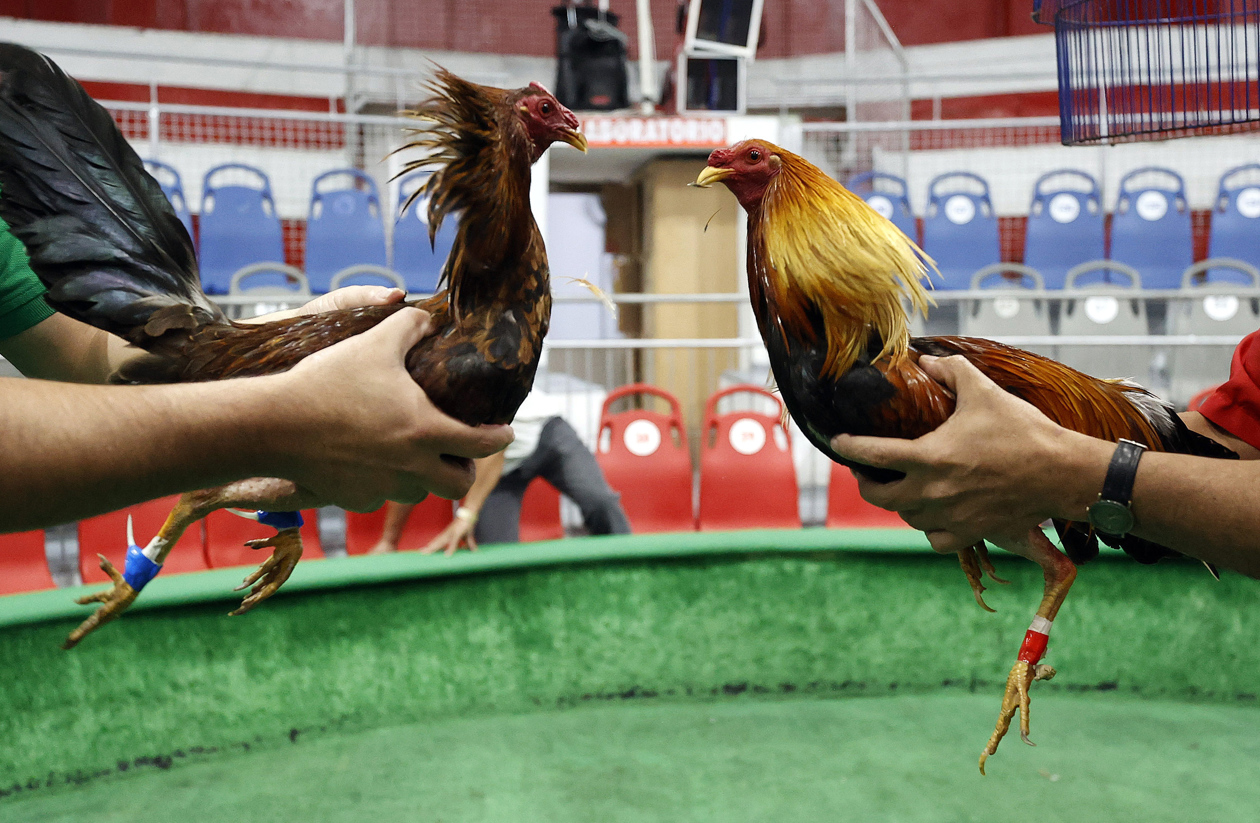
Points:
[(1111, 513)]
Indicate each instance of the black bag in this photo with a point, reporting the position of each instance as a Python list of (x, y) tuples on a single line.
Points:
[(591, 58)]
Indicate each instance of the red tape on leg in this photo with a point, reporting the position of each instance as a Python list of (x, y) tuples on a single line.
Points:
[(1034, 646)]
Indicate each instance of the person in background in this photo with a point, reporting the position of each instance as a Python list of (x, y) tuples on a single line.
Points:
[(545, 446)]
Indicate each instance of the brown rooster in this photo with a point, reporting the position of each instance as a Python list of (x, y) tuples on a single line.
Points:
[(827, 276), (112, 253)]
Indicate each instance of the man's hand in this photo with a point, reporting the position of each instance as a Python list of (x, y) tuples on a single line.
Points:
[(365, 432), (458, 532), (984, 473)]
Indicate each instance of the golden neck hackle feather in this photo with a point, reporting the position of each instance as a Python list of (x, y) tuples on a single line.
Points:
[(823, 245)]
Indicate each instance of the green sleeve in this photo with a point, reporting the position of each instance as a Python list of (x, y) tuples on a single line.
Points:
[(21, 294)]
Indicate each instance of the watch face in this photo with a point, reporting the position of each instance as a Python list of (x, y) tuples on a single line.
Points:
[(1111, 517)]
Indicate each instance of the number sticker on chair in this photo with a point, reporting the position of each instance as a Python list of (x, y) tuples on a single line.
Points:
[(1102, 310), (1220, 307), (882, 206), (747, 436), (642, 438), (1249, 202), (1151, 205), (1064, 208), (1005, 307), (959, 210)]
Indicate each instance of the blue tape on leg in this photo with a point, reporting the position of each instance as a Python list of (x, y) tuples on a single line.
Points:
[(280, 520), (139, 570)]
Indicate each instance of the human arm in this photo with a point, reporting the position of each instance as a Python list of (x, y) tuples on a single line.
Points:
[(460, 530), (347, 424), (999, 467), (65, 349), (395, 522)]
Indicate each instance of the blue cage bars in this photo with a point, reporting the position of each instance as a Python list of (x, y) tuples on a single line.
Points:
[(1153, 69)]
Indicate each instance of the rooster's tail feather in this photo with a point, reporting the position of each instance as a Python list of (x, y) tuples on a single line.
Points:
[(100, 233)]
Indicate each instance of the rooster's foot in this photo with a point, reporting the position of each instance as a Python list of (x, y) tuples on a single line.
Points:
[(270, 576), (1022, 675), (975, 562), (113, 602)]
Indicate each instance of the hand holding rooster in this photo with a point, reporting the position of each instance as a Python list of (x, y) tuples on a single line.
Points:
[(72, 451), (962, 483)]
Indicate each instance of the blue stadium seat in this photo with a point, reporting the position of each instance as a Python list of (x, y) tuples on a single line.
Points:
[(239, 226), (344, 226), (889, 195), (1235, 230), (1065, 225), (960, 230), (1151, 227), (173, 187), (415, 259)]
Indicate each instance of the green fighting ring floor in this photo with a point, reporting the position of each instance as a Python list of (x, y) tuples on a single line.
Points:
[(807, 675), (909, 758)]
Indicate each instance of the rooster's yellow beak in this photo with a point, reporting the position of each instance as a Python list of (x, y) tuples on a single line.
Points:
[(711, 175), (575, 139)]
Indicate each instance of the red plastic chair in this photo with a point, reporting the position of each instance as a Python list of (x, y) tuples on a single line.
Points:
[(645, 458), (1198, 399), (107, 534), (847, 510), (23, 565), (226, 535), (427, 520), (540, 512), (747, 478)]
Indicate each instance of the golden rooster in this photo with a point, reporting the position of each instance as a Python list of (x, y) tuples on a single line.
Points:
[(105, 241), (827, 276)]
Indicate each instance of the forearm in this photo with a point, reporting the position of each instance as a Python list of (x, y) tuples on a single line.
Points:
[(396, 515), (73, 451), (61, 348), (489, 470), (1208, 509)]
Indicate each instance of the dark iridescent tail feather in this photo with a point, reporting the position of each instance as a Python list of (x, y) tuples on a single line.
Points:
[(100, 233)]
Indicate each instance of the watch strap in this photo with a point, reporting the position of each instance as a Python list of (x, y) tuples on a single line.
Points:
[(1122, 472)]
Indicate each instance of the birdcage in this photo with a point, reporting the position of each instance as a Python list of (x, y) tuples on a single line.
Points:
[(1154, 69)]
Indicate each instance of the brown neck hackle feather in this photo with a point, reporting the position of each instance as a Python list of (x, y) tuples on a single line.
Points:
[(481, 156), (814, 243)]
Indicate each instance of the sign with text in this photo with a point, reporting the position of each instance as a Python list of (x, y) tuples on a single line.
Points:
[(606, 132)]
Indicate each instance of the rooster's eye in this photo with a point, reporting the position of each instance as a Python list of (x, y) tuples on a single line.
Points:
[(545, 107), (754, 155)]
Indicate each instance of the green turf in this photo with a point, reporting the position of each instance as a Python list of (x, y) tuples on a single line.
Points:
[(909, 759), (171, 680)]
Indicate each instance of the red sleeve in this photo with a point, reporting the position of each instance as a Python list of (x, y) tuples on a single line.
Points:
[(1235, 405)]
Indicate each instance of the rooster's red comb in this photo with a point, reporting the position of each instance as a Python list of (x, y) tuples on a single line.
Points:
[(720, 156)]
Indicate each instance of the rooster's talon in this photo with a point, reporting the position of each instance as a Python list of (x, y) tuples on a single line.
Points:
[(114, 601), (267, 579)]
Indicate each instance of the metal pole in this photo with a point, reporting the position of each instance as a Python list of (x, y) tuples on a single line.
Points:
[(155, 121), (351, 132), (850, 56), (348, 33), (647, 57)]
